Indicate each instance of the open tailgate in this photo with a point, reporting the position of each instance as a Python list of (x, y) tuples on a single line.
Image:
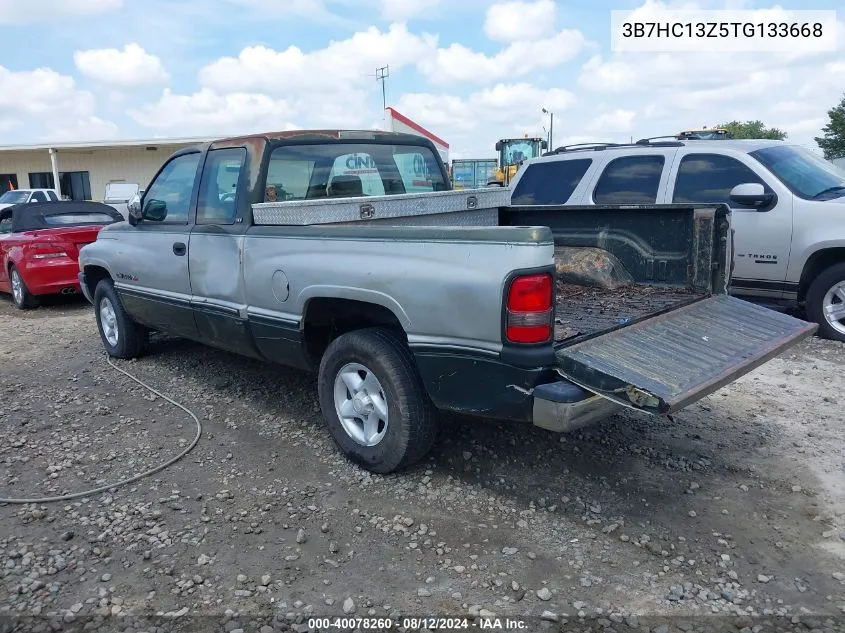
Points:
[(666, 362)]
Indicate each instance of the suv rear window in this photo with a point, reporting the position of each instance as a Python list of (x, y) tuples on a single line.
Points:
[(304, 172), (630, 180), (549, 183)]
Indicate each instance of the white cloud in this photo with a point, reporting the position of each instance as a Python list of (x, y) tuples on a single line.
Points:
[(473, 124), (404, 10), (457, 63), (130, 68), (672, 91), (314, 10), (49, 105), (20, 11), (89, 128), (206, 112), (520, 21), (618, 120), (332, 70), (42, 91)]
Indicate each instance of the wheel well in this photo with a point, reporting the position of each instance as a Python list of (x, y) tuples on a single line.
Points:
[(816, 263), (326, 319), (93, 276)]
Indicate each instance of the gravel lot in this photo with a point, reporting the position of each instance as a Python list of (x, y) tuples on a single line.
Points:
[(735, 509)]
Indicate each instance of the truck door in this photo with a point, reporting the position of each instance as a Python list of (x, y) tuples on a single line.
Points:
[(762, 237), (217, 238), (151, 267)]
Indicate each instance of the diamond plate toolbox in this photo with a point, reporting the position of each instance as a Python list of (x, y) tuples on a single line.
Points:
[(473, 202)]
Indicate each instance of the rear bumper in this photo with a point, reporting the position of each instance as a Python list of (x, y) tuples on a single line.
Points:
[(489, 387), (83, 284), (51, 276), (562, 407)]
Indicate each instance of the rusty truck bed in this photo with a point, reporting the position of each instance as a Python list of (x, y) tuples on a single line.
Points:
[(584, 310)]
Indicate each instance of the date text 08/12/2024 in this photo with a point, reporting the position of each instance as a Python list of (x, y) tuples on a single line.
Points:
[(416, 623)]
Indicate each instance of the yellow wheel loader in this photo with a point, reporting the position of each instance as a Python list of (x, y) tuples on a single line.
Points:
[(512, 152)]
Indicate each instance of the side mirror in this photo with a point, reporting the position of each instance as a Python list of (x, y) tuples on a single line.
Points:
[(544, 145), (133, 210), (751, 194), (155, 210), (499, 146)]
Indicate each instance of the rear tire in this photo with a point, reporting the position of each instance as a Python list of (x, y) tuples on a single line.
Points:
[(374, 400), (121, 335), (21, 296), (825, 302)]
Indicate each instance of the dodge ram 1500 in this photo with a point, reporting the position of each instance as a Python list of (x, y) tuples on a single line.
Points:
[(346, 253)]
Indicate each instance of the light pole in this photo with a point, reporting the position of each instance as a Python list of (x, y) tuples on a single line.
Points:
[(551, 127)]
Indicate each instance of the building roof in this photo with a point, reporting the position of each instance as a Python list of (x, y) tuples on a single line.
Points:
[(395, 114), (151, 142)]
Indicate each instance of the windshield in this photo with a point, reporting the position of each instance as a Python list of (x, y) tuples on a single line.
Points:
[(13, 197), (807, 175), (516, 151)]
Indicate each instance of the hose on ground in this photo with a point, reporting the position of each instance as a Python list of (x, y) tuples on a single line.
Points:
[(133, 478)]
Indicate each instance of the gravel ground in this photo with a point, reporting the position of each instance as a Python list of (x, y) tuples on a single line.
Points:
[(731, 516)]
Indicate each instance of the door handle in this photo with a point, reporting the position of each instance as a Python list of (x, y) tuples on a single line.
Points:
[(179, 248)]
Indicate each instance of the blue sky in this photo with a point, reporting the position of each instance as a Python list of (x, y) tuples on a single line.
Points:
[(471, 71)]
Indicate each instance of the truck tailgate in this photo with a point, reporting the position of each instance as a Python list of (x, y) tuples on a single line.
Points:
[(666, 362)]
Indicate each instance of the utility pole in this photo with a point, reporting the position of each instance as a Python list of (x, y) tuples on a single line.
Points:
[(551, 127), (382, 74)]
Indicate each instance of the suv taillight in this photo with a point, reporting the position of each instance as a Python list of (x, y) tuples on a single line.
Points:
[(529, 309)]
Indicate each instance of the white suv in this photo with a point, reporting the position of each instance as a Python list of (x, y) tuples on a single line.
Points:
[(788, 207)]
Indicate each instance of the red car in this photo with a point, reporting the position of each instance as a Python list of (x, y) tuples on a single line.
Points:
[(39, 246)]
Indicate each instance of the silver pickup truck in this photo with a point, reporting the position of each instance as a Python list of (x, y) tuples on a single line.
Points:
[(346, 253)]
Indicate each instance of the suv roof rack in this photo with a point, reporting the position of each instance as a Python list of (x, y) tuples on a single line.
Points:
[(648, 141), (576, 147)]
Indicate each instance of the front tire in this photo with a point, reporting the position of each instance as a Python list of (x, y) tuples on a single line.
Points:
[(21, 296), (374, 401), (825, 302), (121, 335)]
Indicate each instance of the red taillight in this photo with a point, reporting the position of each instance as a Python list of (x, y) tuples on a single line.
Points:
[(529, 309)]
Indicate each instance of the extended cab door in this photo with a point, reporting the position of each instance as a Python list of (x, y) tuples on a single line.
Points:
[(217, 238), (762, 237), (151, 266)]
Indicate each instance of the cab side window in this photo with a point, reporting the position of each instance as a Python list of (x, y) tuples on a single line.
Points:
[(38, 196), (217, 203), (168, 199), (709, 178), (630, 180)]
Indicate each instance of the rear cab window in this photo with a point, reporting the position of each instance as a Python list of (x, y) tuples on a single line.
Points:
[(630, 180), (78, 219), (309, 171), (550, 183)]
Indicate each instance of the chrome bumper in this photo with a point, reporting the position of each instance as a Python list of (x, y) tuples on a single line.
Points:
[(559, 407)]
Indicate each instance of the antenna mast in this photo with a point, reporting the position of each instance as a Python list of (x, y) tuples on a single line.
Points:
[(381, 75)]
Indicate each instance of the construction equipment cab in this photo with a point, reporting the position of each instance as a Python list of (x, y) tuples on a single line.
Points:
[(716, 134), (512, 153)]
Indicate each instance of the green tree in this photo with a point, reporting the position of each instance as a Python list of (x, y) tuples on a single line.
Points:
[(753, 129), (833, 141)]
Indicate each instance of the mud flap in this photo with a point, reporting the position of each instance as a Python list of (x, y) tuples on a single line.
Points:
[(664, 363)]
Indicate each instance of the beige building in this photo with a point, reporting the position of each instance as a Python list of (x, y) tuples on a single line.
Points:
[(84, 169)]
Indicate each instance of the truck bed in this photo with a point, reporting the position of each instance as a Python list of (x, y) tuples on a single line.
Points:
[(584, 310)]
